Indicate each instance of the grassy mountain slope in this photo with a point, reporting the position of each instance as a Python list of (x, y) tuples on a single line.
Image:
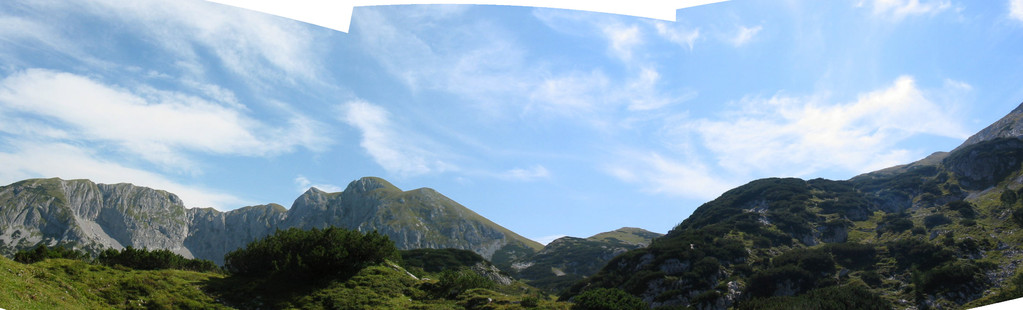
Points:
[(74, 284), (940, 232), (78, 284), (568, 259)]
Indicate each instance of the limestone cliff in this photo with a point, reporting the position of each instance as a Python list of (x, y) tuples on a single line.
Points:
[(96, 216)]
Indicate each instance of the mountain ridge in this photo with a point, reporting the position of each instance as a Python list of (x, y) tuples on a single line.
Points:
[(940, 232), (95, 216)]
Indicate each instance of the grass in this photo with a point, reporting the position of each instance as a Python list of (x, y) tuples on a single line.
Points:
[(72, 284)]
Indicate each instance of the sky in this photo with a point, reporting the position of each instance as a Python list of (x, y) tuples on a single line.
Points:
[(549, 122)]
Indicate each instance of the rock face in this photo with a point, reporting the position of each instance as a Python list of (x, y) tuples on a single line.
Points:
[(96, 216), (91, 215), (1009, 126)]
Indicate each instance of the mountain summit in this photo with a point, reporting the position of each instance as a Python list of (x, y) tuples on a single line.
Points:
[(95, 216), (1009, 126)]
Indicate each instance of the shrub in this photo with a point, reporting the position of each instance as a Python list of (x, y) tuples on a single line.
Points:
[(1017, 215), (853, 255), (315, 254), (1008, 197), (607, 299), (767, 282), (965, 209), (144, 259), (42, 252), (437, 260), (895, 223), (921, 254), (451, 283), (933, 220), (817, 260), (832, 298), (871, 278), (954, 276)]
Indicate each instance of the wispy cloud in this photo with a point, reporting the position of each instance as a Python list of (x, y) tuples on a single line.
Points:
[(159, 126), (745, 34), (526, 174), (476, 60), (1016, 9), (31, 159), (390, 147), (803, 135), (262, 49), (899, 9), (683, 177), (677, 34), (623, 39), (302, 184)]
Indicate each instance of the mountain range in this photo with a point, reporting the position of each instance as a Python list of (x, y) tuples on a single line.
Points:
[(941, 232), (96, 216)]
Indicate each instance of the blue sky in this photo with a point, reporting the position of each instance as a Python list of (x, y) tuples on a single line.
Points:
[(549, 122)]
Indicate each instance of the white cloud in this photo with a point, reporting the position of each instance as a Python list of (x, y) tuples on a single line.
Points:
[(263, 49), (684, 37), (548, 239), (302, 183), (159, 126), (804, 135), (642, 93), (26, 160), (396, 151), (899, 9), (1016, 9), (745, 34), (657, 174), (528, 174), (623, 39)]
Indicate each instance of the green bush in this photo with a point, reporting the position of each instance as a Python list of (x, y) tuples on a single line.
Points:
[(316, 254), (1008, 197), (817, 260), (607, 299), (42, 252), (849, 297), (451, 283), (920, 254), (853, 255), (767, 282), (965, 209), (437, 260), (871, 278), (956, 276), (143, 259), (933, 220)]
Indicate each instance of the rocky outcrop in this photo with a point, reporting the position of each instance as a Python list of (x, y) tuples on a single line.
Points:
[(985, 163), (212, 234), (1009, 126), (91, 215), (96, 216)]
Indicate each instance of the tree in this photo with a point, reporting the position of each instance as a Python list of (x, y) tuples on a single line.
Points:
[(607, 299), (331, 253)]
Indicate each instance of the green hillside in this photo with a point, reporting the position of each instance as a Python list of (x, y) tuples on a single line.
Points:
[(299, 277), (938, 233)]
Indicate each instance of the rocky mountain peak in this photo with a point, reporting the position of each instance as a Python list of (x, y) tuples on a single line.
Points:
[(1010, 126), (367, 184)]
